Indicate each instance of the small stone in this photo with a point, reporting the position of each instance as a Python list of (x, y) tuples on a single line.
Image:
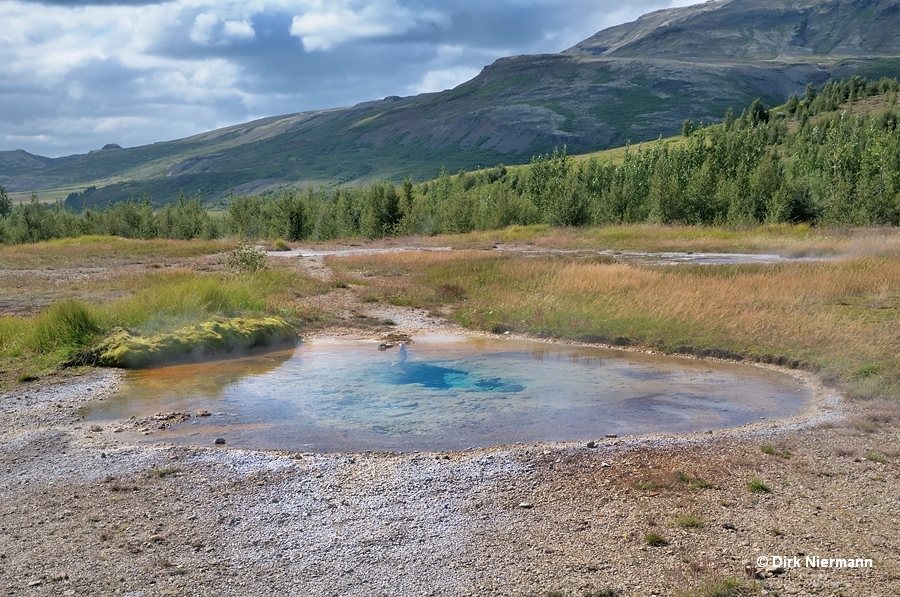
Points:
[(526, 505), (604, 465), (592, 444), (219, 441), (204, 413), (96, 428), (611, 435), (35, 583)]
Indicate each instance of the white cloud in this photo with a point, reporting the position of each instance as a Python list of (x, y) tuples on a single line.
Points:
[(242, 30), (204, 26), (326, 26), (209, 29), (439, 80)]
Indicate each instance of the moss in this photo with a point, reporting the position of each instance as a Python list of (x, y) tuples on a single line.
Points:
[(126, 349)]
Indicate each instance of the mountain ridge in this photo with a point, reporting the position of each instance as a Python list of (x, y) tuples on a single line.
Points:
[(629, 83)]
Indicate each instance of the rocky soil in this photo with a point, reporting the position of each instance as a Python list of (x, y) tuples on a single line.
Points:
[(84, 512)]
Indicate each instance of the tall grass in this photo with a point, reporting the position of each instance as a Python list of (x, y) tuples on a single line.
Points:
[(31, 344), (65, 323)]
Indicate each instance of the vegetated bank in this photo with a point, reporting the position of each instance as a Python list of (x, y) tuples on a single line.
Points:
[(144, 303), (829, 158)]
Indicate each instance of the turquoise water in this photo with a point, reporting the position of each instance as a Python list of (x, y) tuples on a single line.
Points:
[(442, 393)]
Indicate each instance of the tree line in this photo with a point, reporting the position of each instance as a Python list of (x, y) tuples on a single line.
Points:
[(808, 161)]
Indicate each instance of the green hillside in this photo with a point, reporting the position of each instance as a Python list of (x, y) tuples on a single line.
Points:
[(626, 84), (830, 157)]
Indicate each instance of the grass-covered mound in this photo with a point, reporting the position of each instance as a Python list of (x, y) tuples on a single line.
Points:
[(129, 350)]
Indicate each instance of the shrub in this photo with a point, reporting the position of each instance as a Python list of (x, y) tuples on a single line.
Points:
[(246, 258)]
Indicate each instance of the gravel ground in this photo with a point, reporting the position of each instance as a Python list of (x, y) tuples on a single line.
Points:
[(87, 514), (83, 512)]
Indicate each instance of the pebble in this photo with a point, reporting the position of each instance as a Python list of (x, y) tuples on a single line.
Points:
[(219, 441)]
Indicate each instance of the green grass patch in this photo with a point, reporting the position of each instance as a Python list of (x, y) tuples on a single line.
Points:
[(65, 323), (875, 456), (690, 521), (655, 540), (692, 482), (52, 336), (775, 451), (757, 485)]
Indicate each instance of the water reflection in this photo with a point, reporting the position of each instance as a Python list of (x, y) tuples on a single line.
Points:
[(447, 393)]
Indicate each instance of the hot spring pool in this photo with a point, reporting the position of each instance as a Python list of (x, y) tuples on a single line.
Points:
[(445, 393)]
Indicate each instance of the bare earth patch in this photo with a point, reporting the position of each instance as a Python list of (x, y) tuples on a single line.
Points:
[(85, 513)]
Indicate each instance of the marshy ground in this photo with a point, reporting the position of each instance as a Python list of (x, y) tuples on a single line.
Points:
[(86, 513)]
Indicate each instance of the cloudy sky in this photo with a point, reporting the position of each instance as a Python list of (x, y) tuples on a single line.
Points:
[(76, 75)]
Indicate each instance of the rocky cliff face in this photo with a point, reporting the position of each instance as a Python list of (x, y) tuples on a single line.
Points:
[(755, 30)]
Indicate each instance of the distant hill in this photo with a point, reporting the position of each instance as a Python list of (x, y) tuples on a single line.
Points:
[(632, 82)]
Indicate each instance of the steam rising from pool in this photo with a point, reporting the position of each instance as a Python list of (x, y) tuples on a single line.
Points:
[(443, 393)]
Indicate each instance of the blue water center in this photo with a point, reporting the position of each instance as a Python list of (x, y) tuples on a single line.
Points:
[(443, 393)]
